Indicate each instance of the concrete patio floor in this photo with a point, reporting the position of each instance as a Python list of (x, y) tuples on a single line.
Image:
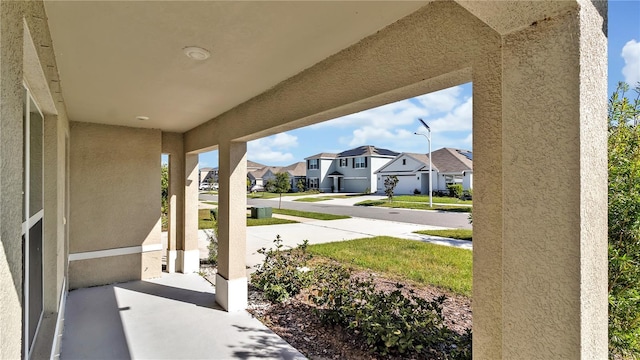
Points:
[(172, 317)]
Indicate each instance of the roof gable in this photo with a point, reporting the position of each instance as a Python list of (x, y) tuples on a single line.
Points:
[(368, 150)]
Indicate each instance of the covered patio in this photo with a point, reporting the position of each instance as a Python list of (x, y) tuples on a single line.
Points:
[(93, 93)]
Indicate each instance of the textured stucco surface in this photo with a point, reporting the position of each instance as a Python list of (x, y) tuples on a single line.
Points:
[(113, 269), (25, 55), (431, 48), (232, 204), (545, 226), (173, 145), (115, 190)]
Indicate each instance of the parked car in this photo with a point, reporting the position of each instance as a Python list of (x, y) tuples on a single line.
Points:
[(214, 186), (205, 186), (256, 188)]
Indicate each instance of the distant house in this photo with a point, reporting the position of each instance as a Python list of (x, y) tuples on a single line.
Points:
[(349, 171), (450, 166), (296, 172)]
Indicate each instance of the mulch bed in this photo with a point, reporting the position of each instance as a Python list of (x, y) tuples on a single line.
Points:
[(296, 322)]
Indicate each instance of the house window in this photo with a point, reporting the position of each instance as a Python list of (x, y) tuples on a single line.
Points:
[(313, 164), (404, 161), (313, 183), (360, 162), (343, 162)]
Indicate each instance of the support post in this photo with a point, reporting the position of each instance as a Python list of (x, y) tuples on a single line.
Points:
[(231, 280)]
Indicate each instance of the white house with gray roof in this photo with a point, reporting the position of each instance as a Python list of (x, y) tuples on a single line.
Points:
[(349, 171), (449, 166)]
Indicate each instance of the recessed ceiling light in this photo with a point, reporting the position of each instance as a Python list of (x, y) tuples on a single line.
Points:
[(142, 118), (196, 53)]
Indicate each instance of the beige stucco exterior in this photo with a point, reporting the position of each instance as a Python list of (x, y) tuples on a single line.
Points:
[(540, 270), (115, 195)]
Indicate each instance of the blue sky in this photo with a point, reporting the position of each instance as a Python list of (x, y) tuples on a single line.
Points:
[(448, 112)]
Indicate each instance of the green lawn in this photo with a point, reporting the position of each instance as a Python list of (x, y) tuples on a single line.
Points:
[(314, 199), (309, 214), (442, 266), (268, 195), (460, 234), (204, 220), (268, 221), (436, 199), (413, 205)]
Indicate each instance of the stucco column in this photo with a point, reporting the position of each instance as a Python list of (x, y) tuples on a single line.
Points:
[(540, 271), (188, 253), (231, 280), (172, 144)]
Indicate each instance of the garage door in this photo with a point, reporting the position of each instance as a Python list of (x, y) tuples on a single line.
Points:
[(406, 184)]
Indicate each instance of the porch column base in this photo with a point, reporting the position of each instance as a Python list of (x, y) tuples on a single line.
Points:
[(172, 257), (188, 261), (232, 295)]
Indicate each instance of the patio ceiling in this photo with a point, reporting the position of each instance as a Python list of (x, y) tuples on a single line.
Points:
[(119, 60)]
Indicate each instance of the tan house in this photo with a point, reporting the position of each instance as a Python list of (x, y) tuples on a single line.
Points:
[(92, 93)]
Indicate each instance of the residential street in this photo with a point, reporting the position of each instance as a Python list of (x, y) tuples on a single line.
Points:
[(423, 217)]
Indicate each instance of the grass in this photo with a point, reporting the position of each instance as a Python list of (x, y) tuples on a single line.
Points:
[(205, 222), (268, 195), (309, 214), (460, 234), (268, 221), (314, 199), (413, 205), (446, 267), (436, 199)]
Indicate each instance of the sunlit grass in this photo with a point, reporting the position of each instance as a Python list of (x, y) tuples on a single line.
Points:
[(443, 266), (309, 214), (413, 205), (460, 234), (436, 199)]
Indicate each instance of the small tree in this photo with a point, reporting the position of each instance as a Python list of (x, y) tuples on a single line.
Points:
[(624, 224), (282, 185), (164, 186), (390, 185), (300, 185)]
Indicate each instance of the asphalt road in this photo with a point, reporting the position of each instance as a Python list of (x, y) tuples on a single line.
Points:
[(423, 217)]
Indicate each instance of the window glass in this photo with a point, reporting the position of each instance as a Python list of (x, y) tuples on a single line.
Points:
[(360, 162), (35, 158)]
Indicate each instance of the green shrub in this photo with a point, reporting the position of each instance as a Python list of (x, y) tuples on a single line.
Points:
[(390, 322), (212, 237), (282, 273), (455, 190), (624, 224), (416, 192)]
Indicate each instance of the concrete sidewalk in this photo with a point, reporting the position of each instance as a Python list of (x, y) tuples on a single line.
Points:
[(172, 317)]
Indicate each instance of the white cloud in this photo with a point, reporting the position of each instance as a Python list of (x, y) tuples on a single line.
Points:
[(460, 119), (631, 55), (441, 101), (269, 150)]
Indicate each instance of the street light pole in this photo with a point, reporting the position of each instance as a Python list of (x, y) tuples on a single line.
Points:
[(428, 137)]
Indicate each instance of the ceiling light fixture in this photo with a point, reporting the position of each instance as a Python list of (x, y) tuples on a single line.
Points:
[(142, 118), (196, 53)]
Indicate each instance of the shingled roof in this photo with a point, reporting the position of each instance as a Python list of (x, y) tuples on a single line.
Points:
[(368, 150), (445, 160), (322, 156)]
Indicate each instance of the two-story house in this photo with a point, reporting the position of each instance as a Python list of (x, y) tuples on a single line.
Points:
[(349, 171)]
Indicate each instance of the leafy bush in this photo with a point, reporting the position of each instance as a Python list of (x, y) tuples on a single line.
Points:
[(624, 224), (416, 192), (390, 323), (212, 238), (282, 273), (455, 190)]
